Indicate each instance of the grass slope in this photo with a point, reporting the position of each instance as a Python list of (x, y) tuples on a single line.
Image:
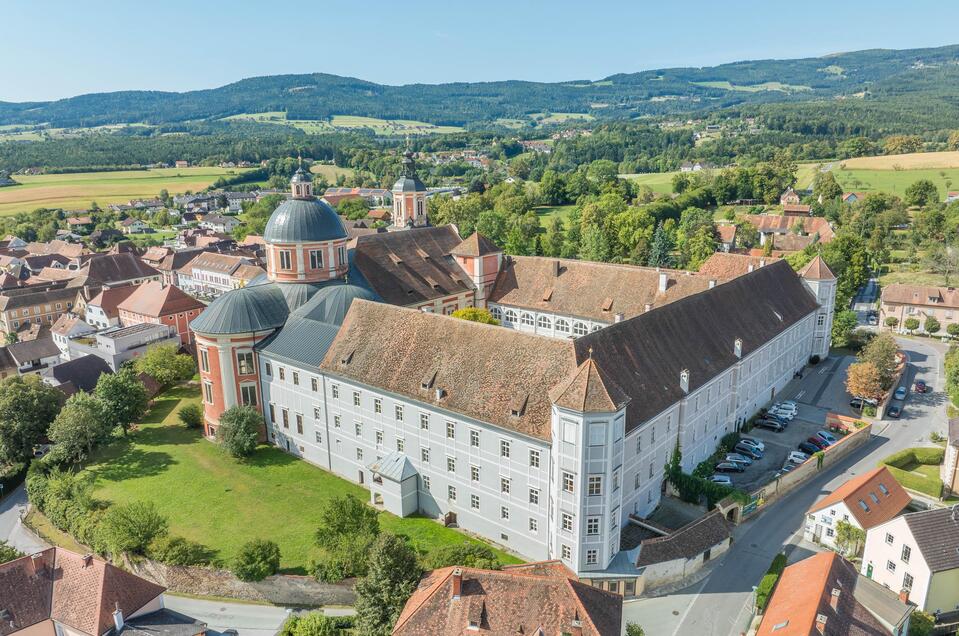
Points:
[(661, 182), (76, 191), (896, 181), (348, 122), (222, 503)]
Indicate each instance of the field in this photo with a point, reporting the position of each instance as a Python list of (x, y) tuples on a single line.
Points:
[(661, 182), (76, 191), (546, 212), (754, 88), (330, 173), (902, 275), (560, 118), (348, 122), (896, 181), (222, 503), (911, 161)]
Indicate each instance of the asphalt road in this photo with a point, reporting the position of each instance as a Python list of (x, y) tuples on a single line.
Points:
[(720, 605), (11, 530)]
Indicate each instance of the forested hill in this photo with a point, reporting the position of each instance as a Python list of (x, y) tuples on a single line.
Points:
[(319, 96)]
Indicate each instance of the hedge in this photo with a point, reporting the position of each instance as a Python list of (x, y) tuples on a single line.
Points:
[(764, 590), (11, 477), (897, 463)]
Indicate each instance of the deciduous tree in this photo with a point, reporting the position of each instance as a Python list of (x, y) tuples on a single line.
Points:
[(80, 426), (239, 430), (843, 324), (932, 325), (849, 538), (911, 324), (166, 365), (881, 352), (123, 396), (862, 380), (27, 408), (393, 575)]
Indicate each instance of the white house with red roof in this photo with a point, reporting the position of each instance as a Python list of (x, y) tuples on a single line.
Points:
[(161, 304)]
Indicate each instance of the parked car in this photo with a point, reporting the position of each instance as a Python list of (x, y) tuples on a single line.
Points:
[(818, 442), (807, 448), (789, 404), (784, 417), (893, 411), (859, 403), (796, 457), (770, 424), (873, 321), (721, 479), (826, 435), (739, 458), (752, 441), (921, 387), (786, 407), (748, 451), (900, 393), (787, 467), (729, 467)]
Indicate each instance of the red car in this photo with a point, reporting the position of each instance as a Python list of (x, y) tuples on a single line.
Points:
[(818, 443), (921, 386)]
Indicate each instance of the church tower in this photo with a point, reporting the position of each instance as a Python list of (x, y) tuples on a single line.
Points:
[(409, 198)]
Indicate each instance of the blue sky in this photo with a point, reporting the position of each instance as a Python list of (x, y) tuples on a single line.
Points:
[(60, 48)]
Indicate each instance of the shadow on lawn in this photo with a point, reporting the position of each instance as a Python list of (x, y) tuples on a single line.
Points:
[(133, 462)]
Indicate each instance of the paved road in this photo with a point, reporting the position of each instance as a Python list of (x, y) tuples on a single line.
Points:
[(11, 530), (247, 619), (864, 301), (720, 605)]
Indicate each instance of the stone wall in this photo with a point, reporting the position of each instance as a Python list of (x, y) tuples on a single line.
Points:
[(280, 589)]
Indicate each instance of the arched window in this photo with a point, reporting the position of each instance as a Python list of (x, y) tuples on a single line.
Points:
[(509, 316), (562, 326), (543, 322), (579, 329), (496, 313), (526, 319), (595, 328)]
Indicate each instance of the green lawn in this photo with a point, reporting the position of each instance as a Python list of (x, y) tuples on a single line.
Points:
[(348, 122), (661, 182), (545, 212), (220, 502), (896, 181), (904, 276)]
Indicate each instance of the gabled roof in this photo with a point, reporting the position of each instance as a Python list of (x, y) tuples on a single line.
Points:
[(395, 466), (817, 269), (508, 602), (589, 390), (82, 372), (882, 495), (156, 299), (115, 268), (936, 532), (26, 352), (78, 592), (110, 297), (902, 294), (66, 323), (724, 266), (689, 541), (476, 245), (727, 232)]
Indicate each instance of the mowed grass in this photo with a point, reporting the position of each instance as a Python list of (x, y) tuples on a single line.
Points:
[(661, 182), (911, 161), (754, 88), (222, 503), (330, 173), (76, 191), (896, 181), (546, 212)]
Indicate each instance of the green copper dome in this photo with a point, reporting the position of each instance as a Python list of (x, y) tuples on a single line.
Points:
[(303, 220)]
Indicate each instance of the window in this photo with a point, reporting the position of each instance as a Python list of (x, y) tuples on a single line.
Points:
[(244, 361), (543, 322), (874, 498), (451, 493), (562, 326), (650, 471), (285, 415), (425, 455), (451, 464), (569, 431), (615, 481), (592, 525), (248, 394), (204, 360), (319, 437), (377, 405), (299, 423), (890, 539), (273, 414), (509, 316), (356, 398), (579, 329), (359, 454), (639, 443), (821, 320), (336, 421), (906, 553), (567, 522), (636, 485), (526, 319), (830, 532), (567, 482), (566, 552), (474, 438), (316, 259), (282, 373), (425, 421), (426, 483), (313, 384), (450, 430), (883, 489), (285, 261), (400, 444), (316, 412), (335, 391), (907, 581), (358, 428), (504, 512), (533, 525), (890, 566), (534, 496), (597, 434), (379, 438), (474, 502), (534, 459), (496, 313), (504, 485), (474, 473), (591, 557), (208, 393), (341, 253), (296, 378), (504, 448), (594, 485), (652, 435), (398, 412)]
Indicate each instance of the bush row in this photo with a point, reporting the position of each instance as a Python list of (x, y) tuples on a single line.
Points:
[(11, 477), (910, 456), (911, 481), (764, 590), (317, 624)]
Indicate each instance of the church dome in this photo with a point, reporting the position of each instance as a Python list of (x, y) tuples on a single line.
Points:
[(408, 181), (245, 310), (302, 221), (330, 304)]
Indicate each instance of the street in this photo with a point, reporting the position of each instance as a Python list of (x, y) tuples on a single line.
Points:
[(720, 605), (11, 530)]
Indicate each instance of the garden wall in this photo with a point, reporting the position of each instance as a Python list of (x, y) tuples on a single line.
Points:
[(280, 589)]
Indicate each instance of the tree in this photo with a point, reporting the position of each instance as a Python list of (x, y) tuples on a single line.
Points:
[(123, 396), (701, 246), (660, 250), (131, 527), (881, 352), (257, 559), (472, 555), (8, 552), (348, 528), (922, 193), (632, 629), (80, 426), (953, 329), (843, 324), (826, 187), (166, 365), (344, 516), (552, 188), (380, 596), (353, 208), (921, 624), (12, 338), (902, 144), (27, 408), (191, 415), (849, 538), (862, 380), (892, 322), (475, 314), (911, 324), (931, 325), (239, 430), (317, 624)]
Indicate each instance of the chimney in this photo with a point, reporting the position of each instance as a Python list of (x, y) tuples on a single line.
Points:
[(712, 283), (576, 627), (619, 317), (118, 618), (762, 262), (821, 623), (663, 281), (555, 268), (738, 347), (684, 380), (904, 595), (439, 393), (750, 268), (87, 559), (457, 583), (834, 599)]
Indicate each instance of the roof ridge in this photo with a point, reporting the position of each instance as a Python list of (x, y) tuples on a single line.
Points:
[(434, 588)]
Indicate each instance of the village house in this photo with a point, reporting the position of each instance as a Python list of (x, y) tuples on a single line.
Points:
[(180, 163), (773, 227), (63, 248), (158, 303), (852, 197), (917, 552), (101, 311), (726, 233), (118, 269), (39, 304), (67, 327), (80, 224), (902, 302), (949, 471), (373, 196), (865, 501), (33, 356), (220, 223), (695, 166), (120, 344), (235, 200), (210, 274), (951, 196), (789, 197), (132, 225), (824, 595)]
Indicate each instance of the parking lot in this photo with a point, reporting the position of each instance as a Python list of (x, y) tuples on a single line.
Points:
[(821, 390)]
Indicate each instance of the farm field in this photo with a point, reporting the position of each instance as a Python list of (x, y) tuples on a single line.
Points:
[(330, 173), (911, 161), (661, 182), (896, 181), (76, 191), (348, 122), (560, 118), (222, 502), (754, 88)]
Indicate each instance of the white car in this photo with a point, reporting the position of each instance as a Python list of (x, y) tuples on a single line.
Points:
[(755, 443), (796, 457), (721, 479), (789, 404), (785, 408), (786, 415)]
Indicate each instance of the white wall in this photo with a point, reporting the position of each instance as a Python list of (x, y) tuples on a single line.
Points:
[(879, 553)]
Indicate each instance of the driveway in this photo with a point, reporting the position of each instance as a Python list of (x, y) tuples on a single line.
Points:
[(246, 618), (11, 530)]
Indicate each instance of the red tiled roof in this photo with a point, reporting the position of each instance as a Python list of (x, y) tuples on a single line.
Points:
[(727, 232), (868, 489), (109, 298), (154, 299), (475, 245), (929, 296), (817, 269), (725, 266)]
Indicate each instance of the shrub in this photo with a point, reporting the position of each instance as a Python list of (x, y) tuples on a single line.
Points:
[(12, 476), (466, 554), (191, 415), (239, 430), (343, 558), (814, 360), (8, 552), (765, 588), (901, 463), (257, 560), (174, 550), (317, 624), (131, 527), (921, 624)]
